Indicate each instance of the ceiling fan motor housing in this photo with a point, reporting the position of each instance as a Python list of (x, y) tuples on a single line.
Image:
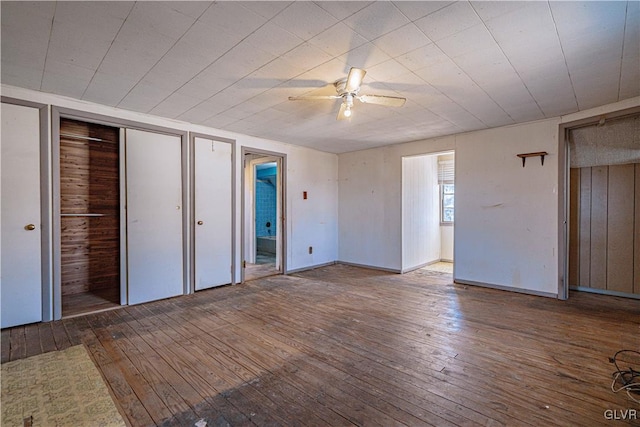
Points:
[(341, 88)]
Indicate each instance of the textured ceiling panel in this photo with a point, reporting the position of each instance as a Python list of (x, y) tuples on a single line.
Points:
[(338, 39), (402, 40), (415, 10), (448, 21), (65, 78), (462, 66), (630, 74), (304, 19), (527, 36), (377, 20), (592, 41), (26, 28), (342, 9)]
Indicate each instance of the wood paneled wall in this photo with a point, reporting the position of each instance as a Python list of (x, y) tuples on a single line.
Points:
[(604, 234), (89, 186)]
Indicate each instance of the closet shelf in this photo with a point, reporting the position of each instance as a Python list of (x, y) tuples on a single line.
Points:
[(83, 215)]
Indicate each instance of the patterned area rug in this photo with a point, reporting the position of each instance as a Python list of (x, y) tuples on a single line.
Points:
[(61, 388)]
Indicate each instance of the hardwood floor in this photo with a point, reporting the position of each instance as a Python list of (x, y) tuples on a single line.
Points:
[(342, 345)]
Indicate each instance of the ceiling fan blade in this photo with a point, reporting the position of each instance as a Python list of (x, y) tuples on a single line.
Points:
[(313, 97), (389, 101), (354, 79), (341, 113)]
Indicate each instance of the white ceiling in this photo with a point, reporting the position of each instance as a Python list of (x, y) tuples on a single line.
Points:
[(232, 65)]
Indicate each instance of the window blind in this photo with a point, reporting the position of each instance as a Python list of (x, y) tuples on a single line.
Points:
[(446, 172)]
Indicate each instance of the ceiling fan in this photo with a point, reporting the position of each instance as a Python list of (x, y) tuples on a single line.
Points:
[(348, 90)]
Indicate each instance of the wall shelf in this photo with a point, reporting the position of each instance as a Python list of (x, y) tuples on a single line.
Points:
[(524, 156)]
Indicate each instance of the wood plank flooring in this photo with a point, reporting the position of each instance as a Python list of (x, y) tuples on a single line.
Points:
[(341, 346)]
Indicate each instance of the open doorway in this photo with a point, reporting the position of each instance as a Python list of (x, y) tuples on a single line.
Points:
[(428, 212), (263, 225)]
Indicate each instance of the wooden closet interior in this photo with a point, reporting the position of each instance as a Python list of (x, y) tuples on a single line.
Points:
[(604, 206), (89, 216)]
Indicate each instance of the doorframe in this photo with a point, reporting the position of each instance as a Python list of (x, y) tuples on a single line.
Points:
[(564, 213), (282, 221), (192, 178), (45, 203), (54, 212)]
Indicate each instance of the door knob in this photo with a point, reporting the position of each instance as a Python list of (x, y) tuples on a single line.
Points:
[(29, 227), (200, 222)]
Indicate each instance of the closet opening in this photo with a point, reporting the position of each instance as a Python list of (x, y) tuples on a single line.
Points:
[(604, 207), (90, 217)]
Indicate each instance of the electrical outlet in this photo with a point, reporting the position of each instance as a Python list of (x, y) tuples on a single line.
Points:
[(310, 249)]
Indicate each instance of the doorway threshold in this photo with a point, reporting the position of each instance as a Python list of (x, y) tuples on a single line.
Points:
[(258, 271), (89, 302)]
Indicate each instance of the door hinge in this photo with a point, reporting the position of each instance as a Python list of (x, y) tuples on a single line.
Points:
[(244, 264)]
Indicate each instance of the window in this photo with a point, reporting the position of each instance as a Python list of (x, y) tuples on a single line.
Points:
[(447, 189), (447, 203)]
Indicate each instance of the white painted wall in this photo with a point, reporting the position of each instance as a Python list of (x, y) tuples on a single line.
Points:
[(370, 202), (507, 215), (517, 246), (446, 242), (420, 211), (511, 245), (369, 210), (315, 219)]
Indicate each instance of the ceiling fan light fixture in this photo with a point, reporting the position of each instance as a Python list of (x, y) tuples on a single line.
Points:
[(348, 89)]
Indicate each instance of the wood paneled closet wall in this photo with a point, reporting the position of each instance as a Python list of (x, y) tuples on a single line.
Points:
[(90, 216), (604, 242)]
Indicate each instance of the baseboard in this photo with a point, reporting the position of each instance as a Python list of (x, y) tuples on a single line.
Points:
[(370, 267), (311, 267), (417, 267), (446, 260), (506, 288), (604, 292)]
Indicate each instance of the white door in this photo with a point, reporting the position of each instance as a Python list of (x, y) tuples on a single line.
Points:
[(212, 189), (154, 216), (21, 267)]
